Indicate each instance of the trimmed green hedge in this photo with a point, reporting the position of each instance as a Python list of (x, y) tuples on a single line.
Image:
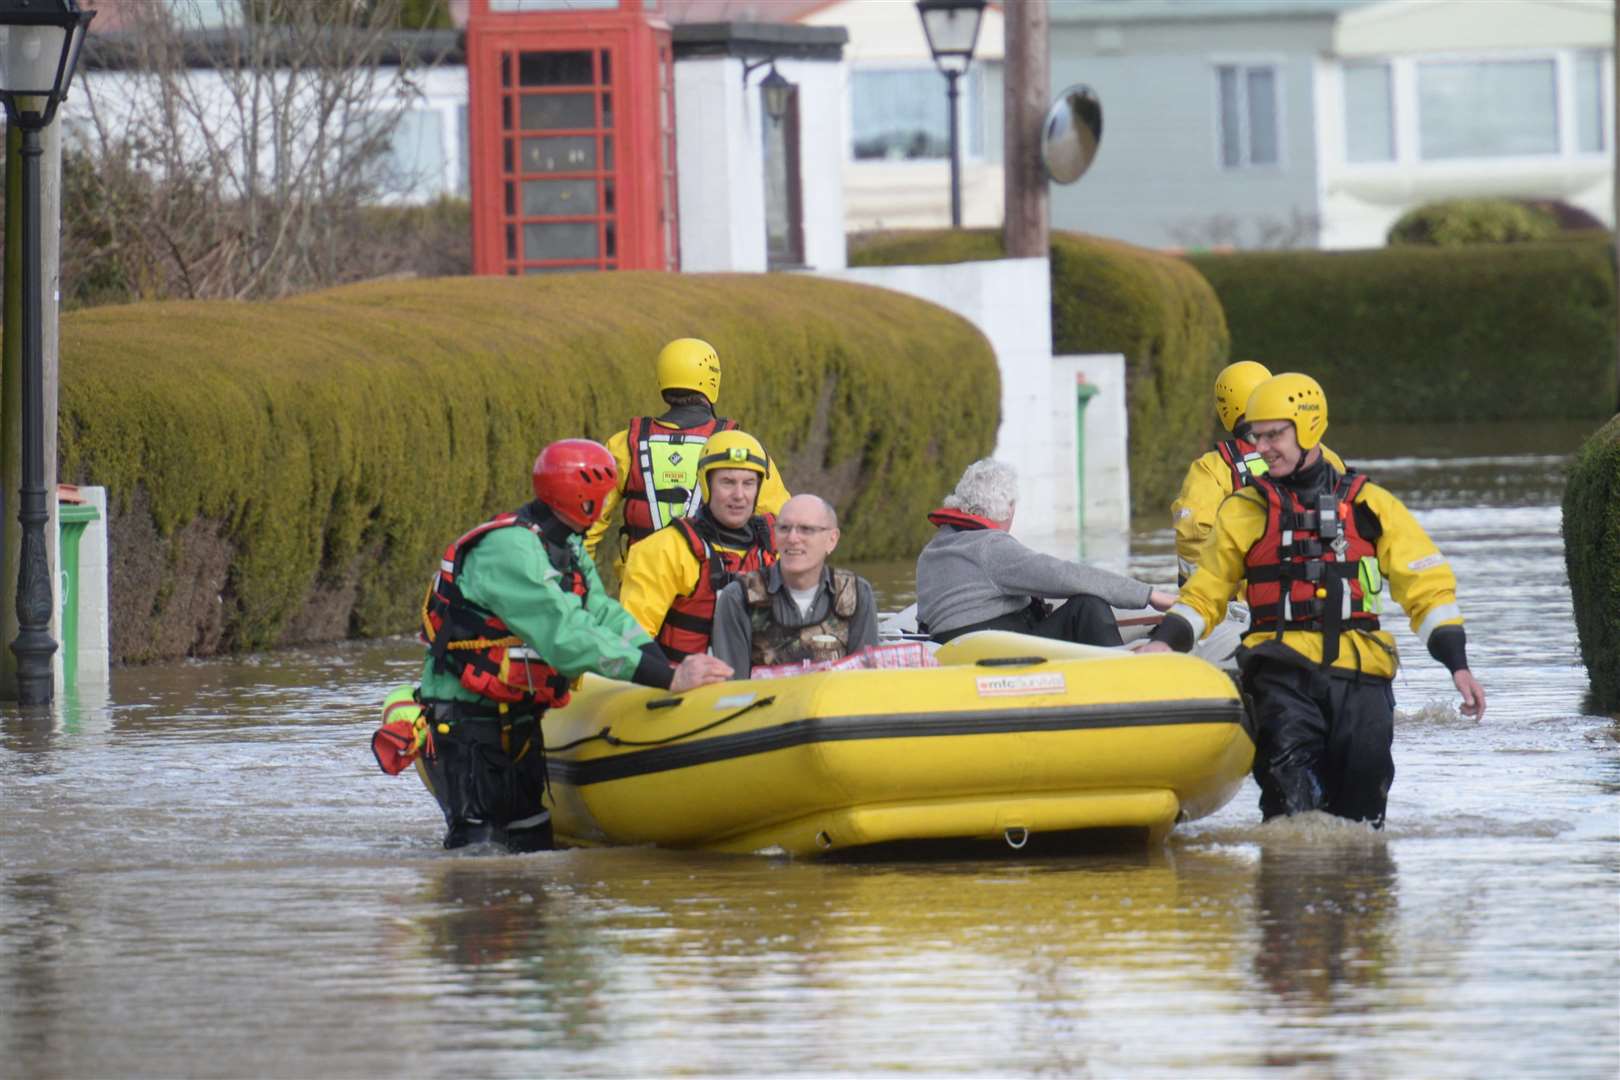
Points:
[(1458, 222), (1592, 554), (290, 471), (1525, 331), (1109, 297)]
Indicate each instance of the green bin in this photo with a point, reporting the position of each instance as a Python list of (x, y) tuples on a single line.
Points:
[(72, 519)]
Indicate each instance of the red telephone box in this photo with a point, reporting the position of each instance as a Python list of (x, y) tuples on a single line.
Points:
[(571, 119)]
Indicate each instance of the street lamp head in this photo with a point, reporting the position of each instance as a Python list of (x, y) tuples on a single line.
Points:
[(39, 49), (952, 28), (777, 92)]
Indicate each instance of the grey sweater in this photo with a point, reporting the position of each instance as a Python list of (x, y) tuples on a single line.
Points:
[(969, 576)]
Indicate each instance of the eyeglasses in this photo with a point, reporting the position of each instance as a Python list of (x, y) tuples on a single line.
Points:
[(787, 528)]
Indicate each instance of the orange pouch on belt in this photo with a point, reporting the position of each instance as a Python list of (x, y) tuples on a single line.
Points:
[(396, 743)]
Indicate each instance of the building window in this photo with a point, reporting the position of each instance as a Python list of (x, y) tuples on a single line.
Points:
[(1248, 114), (784, 215), (901, 115), (1488, 108), (1591, 126), (1369, 113)]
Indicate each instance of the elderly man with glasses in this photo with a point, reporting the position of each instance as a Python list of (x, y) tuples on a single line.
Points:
[(798, 608)]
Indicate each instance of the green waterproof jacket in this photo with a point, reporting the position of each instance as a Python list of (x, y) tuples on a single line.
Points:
[(509, 575)]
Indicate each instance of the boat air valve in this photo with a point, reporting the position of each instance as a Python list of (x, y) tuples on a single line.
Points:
[(1016, 837), (824, 841)]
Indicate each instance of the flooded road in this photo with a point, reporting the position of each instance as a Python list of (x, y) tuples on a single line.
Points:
[(202, 873)]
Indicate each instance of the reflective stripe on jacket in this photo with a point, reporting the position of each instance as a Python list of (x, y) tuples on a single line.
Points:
[(661, 483)]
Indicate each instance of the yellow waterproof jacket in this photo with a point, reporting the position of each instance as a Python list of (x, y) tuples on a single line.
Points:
[(660, 570), (1414, 571), (772, 494), (1192, 515)]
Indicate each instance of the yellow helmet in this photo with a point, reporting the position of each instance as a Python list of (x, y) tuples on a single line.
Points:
[(689, 364), (1232, 389), (731, 450), (1293, 397)]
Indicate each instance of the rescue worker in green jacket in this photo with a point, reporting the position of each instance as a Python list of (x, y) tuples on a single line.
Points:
[(514, 615), (1228, 466), (1319, 549), (657, 456)]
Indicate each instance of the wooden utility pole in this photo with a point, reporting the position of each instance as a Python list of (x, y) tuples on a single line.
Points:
[(1024, 100)]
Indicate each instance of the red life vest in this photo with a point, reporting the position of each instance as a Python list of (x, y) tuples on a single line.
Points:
[(1244, 459), (960, 519), (475, 645), (676, 502), (1304, 571), (689, 623)]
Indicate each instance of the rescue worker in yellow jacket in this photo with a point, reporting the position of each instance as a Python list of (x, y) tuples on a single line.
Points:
[(1319, 549), (672, 578), (657, 456), (1230, 465)]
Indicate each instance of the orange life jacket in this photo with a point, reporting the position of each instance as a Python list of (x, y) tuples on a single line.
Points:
[(475, 645), (689, 623), (642, 477), (1304, 571), (1243, 458)]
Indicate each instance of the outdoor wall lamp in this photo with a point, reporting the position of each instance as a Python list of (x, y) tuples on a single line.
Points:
[(39, 48), (952, 29), (777, 89)]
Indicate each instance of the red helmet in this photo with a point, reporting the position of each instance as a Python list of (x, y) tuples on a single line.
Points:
[(573, 476)]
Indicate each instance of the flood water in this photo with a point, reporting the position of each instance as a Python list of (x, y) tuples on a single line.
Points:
[(205, 874)]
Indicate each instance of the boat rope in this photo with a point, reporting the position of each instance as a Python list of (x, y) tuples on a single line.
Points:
[(607, 736)]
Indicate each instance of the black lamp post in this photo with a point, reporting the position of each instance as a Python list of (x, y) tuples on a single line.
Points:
[(39, 48), (952, 28), (777, 90)]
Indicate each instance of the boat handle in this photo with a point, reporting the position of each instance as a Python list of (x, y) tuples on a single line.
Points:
[(1010, 661), (663, 703)]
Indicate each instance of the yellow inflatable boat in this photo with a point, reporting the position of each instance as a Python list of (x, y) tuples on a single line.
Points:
[(1011, 736)]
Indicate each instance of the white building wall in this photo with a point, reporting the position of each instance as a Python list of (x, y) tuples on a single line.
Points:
[(1105, 481), (720, 159), (1361, 200), (427, 160), (1158, 179), (1009, 300), (720, 170)]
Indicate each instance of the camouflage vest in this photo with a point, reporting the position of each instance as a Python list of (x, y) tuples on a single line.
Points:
[(774, 643)]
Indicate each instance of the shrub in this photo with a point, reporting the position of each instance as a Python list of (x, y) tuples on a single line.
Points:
[(289, 471), (1109, 297), (1432, 334), (1457, 222), (1592, 554)]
